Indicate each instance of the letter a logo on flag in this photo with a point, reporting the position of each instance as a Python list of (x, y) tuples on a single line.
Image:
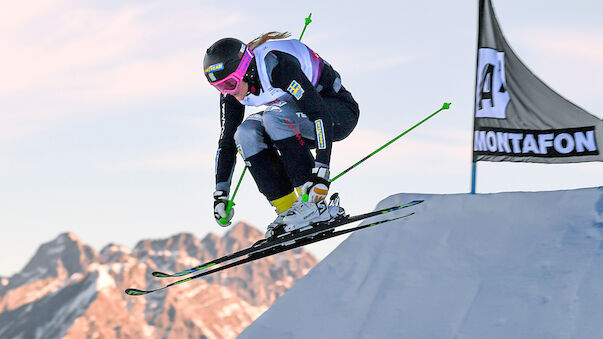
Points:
[(491, 93)]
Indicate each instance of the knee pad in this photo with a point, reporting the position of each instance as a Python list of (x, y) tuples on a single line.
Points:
[(249, 138)]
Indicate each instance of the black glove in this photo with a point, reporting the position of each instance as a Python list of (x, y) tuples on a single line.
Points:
[(317, 188), (220, 204)]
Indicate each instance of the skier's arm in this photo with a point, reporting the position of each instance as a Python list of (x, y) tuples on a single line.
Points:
[(231, 116), (288, 76)]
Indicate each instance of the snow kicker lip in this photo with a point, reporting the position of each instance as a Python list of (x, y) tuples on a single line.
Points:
[(263, 249)]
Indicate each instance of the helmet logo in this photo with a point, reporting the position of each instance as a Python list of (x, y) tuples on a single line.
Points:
[(214, 67)]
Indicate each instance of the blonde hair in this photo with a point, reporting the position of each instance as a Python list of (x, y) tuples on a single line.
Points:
[(265, 37)]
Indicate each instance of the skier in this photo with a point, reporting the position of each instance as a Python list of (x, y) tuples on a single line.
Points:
[(307, 108)]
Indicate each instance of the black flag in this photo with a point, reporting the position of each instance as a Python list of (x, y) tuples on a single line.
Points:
[(517, 116)]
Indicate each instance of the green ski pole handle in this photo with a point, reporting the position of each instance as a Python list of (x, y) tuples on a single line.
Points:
[(231, 202), (229, 205), (308, 21)]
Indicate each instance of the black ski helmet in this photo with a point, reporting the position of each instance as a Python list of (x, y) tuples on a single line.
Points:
[(222, 58)]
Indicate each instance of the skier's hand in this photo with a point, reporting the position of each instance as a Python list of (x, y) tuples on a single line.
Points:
[(317, 188), (220, 204)]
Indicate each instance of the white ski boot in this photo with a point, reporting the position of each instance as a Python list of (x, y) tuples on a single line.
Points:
[(302, 213), (277, 226), (335, 210)]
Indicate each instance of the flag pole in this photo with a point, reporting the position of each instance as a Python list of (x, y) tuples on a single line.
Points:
[(473, 176), (474, 161)]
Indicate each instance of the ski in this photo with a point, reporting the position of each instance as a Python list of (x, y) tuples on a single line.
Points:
[(286, 238), (268, 252)]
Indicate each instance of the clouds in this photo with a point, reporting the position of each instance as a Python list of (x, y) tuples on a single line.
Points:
[(57, 42), (65, 60), (449, 145), (566, 58), (172, 161)]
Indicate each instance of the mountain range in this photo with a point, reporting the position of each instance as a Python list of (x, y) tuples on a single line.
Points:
[(68, 290)]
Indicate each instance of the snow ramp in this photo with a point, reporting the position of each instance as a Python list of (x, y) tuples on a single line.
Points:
[(505, 265)]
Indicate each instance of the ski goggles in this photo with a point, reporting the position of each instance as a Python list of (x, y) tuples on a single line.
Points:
[(231, 83)]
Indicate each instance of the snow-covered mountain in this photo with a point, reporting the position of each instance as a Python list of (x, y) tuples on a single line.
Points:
[(68, 290), (507, 265)]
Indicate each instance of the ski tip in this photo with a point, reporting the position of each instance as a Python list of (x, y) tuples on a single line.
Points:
[(133, 291), (414, 202), (160, 275)]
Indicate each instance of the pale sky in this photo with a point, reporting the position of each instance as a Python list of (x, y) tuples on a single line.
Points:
[(109, 129)]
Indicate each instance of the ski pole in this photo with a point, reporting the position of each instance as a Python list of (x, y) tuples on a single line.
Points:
[(308, 21), (231, 202), (444, 106)]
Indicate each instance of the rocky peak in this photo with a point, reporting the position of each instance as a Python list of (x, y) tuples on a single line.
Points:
[(173, 243), (186, 242), (211, 244), (170, 253), (114, 253), (66, 253), (241, 235)]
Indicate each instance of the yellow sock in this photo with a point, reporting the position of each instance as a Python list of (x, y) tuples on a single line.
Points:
[(284, 203)]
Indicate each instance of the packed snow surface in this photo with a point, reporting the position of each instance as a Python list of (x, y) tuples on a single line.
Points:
[(506, 265)]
